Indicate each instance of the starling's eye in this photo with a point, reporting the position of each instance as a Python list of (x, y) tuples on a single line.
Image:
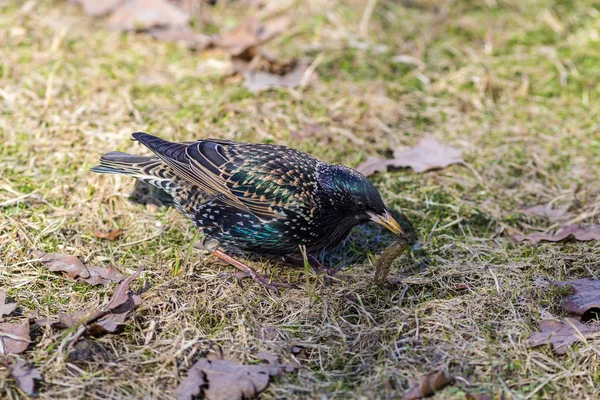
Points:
[(360, 205)]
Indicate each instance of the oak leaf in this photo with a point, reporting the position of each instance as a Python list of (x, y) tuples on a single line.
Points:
[(566, 232), (74, 268), (427, 155), (24, 375), (14, 338), (219, 379), (562, 334)]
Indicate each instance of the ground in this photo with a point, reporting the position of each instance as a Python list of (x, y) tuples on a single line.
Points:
[(513, 83)]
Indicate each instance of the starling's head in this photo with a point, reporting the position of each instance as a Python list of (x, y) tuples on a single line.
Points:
[(352, 196)]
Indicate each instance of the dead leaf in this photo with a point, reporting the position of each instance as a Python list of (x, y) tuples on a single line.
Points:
[(111, 234), (547, 211), (23, 374), (586, 295), (14, 339), (71, 265), (75, 269), (256, 81), (222, 379), (566, 232), (104, 319), (427, 155), (5, 308), (121, 297), (251, 33), (142, 15), (562, 334), (97, 8), (181, 34), (427, 385)]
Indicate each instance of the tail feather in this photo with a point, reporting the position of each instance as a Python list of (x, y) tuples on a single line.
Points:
[(116, 162), (158, 171)]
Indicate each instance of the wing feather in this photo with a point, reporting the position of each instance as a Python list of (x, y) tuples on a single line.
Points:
[(259, 178)]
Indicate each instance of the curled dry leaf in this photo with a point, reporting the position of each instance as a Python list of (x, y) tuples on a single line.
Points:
[(14, 339), (251, 33), (562, 334), (586, 295), (107, 318), (427, 155), (24, 375), (428, 385), (75, 269), (221, 379), (146, 14), (111, 234), (5, 308), (566, 232)]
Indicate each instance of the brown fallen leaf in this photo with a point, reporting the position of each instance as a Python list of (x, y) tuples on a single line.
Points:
[(548, 211), (142, 15), (75, 269), (562, 334), (586, 295), (220, 379), (5, 308), (427, 385), (427, 155), (97, 8), (24, 375), (71, 265), (250, 34), (14, 339), (107, 318), (256, 81), (566, 232), (111, 234)]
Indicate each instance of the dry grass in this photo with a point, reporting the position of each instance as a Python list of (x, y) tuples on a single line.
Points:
[(512, 82)]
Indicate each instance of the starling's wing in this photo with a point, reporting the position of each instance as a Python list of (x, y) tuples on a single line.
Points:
[(262, 179)]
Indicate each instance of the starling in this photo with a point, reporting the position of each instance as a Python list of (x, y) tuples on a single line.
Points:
[(259, 198)]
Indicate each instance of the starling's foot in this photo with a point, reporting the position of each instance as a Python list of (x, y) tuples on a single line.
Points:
[(248, 271)]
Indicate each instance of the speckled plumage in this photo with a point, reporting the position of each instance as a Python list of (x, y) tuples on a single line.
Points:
[(261, 198)]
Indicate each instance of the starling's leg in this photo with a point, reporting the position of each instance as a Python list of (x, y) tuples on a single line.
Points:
[(249, 271)]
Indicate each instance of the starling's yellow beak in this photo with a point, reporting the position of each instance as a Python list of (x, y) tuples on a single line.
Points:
[(388, 221)]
